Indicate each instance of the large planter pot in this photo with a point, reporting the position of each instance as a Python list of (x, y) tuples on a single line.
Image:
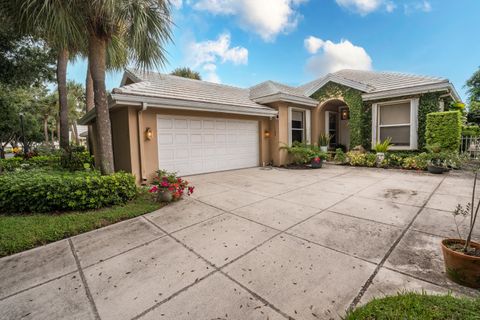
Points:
[(316, 164), (461, 268), (164, 196), (435, 169), (324, 148)]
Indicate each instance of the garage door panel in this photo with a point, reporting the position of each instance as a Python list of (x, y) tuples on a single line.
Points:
[(196, 138), (165, 139), (209, 139), (181, 124), (190, 145)]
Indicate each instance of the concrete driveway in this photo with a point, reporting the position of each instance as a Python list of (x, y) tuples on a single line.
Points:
[(250, 244)]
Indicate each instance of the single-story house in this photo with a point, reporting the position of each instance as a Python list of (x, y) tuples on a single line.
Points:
[(192, 126)]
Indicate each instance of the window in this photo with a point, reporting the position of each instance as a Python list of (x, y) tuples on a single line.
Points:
[(396, 120), (298, 126)]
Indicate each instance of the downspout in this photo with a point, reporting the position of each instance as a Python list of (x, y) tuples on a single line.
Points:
[(141, 143)]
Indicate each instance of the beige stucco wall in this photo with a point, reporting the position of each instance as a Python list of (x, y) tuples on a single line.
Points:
[(127, 143)]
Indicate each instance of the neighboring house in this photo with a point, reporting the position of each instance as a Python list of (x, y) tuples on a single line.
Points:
[(192, 126)]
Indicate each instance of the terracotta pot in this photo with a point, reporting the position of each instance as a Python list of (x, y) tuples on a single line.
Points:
[(435, 169), (461, 268)]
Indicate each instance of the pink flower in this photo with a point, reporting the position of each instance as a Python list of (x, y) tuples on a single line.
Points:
[(153, 189), (164, 183)]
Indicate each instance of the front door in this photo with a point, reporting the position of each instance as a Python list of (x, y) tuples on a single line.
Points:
[(331, 127)]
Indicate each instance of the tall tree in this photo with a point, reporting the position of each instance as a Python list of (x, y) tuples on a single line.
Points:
[(186, 72), (473, 87), (57, 22), (145, 26), (76, 106)]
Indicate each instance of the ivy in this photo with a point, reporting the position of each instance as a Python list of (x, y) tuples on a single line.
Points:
[(360, 119), (360, 122), (428, 104)]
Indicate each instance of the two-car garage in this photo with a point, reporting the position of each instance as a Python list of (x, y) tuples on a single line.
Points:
[(191, 145)]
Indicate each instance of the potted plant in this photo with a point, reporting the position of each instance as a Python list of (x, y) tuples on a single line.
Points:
[(324, 141), (381, 148), (462, 256), (437, 163), (167, 187), (317, 159)]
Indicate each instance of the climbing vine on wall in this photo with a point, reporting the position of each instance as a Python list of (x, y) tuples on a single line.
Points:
[(360, 117), (429, 102)]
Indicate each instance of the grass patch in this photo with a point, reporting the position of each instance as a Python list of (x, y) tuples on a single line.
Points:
[(23, 232), (419, 307)]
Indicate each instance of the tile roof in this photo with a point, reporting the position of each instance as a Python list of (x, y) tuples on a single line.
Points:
[(372, 81), (156, 85)]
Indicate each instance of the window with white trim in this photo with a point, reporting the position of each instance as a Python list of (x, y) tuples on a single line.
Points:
[(397, 120), (394, 121), (298, 126)]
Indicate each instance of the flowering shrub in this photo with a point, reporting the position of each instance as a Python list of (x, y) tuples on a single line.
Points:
[(361, 159), (168, 187)]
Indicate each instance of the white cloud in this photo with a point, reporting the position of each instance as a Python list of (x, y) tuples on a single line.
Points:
[(390, 7), (337, 56), (177, 4), (423, 6), (267, 18), (207, 54), (363, 7), (313, 44)]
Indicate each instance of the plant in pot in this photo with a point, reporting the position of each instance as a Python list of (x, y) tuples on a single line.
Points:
[(317, 158), (324, 141), (462, 256), (437, 163), (381, 148), (167, 187)]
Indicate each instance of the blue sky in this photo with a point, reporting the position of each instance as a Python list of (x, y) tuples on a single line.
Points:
[(244, 42)]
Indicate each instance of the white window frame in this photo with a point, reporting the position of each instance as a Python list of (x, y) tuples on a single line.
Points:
[(307, 124), (413, 123)]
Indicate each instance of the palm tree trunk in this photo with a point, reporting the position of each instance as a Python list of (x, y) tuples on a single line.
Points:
[(97, 57), (75, 133), (90, 103), (45, 128), (62, 62)]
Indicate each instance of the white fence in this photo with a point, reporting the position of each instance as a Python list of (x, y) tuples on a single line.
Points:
[(470, 146)]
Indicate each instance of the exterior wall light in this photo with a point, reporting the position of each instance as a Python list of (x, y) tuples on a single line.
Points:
[(267, 134), (148, 134), (345, 114)]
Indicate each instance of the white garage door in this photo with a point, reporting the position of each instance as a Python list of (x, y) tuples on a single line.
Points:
[(190, 145)]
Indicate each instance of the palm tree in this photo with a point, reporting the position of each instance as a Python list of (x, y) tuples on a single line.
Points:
[(186, 72), (48, 108), (76, 106), (145, 26), (58, 23)]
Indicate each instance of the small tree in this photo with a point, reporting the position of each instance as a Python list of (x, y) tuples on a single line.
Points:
[(471, 211), (473, 86), (186, 72)]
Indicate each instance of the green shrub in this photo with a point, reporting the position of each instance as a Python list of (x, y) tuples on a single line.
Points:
[(48, 191), (361, 159), (37, 162), (471, 131), (416, 162), (302, 153), (76, 160), (444, 128), (340, 156)]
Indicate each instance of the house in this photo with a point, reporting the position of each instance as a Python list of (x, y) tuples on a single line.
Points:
[(192, 126)]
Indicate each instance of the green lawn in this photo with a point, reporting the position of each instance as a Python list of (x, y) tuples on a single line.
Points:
[(410, 306), (23, 232)]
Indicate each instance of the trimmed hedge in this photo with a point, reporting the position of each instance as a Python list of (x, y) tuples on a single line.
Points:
[(37, 162), (445, 129), (47, 191)]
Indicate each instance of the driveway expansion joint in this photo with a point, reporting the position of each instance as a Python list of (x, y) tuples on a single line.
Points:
[(369, 281), (84, 281), (216, 269)]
